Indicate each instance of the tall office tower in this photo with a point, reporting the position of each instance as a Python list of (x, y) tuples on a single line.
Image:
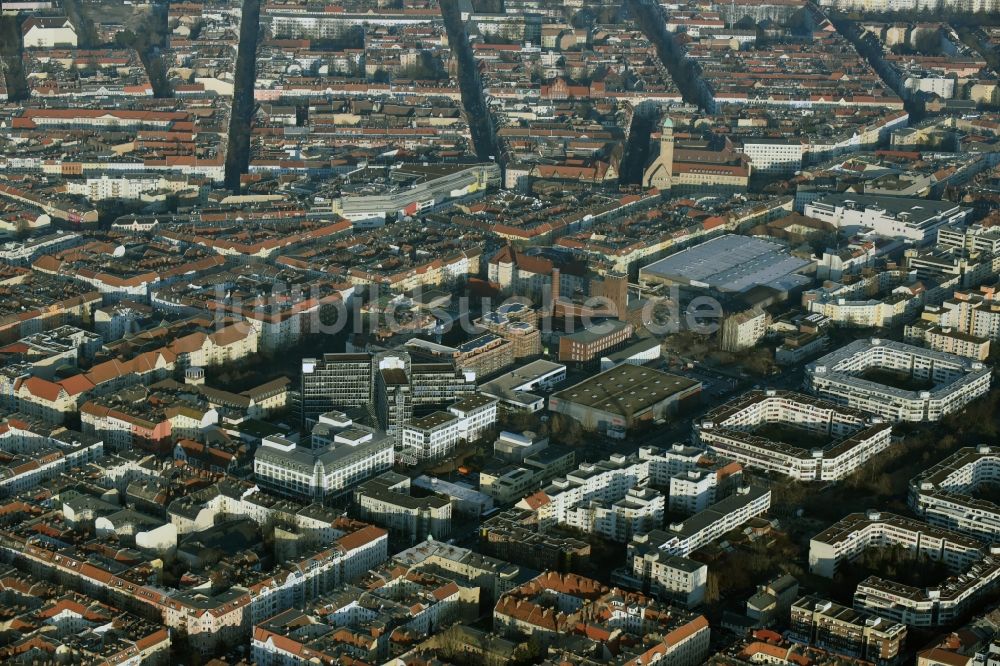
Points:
[(393, 393), (389, 383), (335, 382), (437, 384)]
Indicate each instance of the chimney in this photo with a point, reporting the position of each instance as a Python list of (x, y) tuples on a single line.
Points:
[(555, 286)]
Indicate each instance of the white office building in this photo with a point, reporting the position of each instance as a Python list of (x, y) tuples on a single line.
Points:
[(434, 436), (775, 156), (342, 455), (916, 220)]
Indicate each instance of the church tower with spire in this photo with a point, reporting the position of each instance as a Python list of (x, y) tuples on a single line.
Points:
[(659, 173)]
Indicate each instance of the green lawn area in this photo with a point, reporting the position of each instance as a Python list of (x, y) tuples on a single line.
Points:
[(795, 436), (895, 379), (895, 564), (988, 492)]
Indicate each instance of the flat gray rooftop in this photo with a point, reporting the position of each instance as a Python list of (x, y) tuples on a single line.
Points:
[(730, 263), (917, 211), (626, 389)]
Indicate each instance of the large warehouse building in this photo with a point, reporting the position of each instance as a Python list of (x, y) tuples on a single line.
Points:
[(731, 264), (615, 400), (914, 219)]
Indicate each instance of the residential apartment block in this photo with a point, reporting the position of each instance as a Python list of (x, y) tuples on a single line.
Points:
[(34, 451), (947, 340), (743, 330), (554, 604), (974, 313), (684, 537), (973, 566), (898, 381), (678, 579), (846, 632), (386, 501), (772, 430), (945, 494), (613, 497)]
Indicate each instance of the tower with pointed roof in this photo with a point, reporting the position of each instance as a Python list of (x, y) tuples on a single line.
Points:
[(658, 174)]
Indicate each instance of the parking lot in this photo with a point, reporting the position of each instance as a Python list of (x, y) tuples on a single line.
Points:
[(714, 384)]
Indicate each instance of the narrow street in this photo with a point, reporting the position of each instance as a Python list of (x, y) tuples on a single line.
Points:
[(238, 149), (476, 111), (637, 150), (648, 18), (11, 65), (869, 49)]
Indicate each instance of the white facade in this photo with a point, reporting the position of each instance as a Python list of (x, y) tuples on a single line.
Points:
[(676, 578), (436, 435), (775, 157), (333, 24), (125, 186), (946, 339), (969, 312), (693, 491), (369, 210), (976, 567), (47, 33), (355, 454), (683, 538), (911, 5), (916, 220), (517, 388), (851, 437), (743, 330), (880, 299), (320, 573), (386, 501), (36, 455), (851, 536), (944, 495), (640, 510), (150, 534), (956, 381)]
